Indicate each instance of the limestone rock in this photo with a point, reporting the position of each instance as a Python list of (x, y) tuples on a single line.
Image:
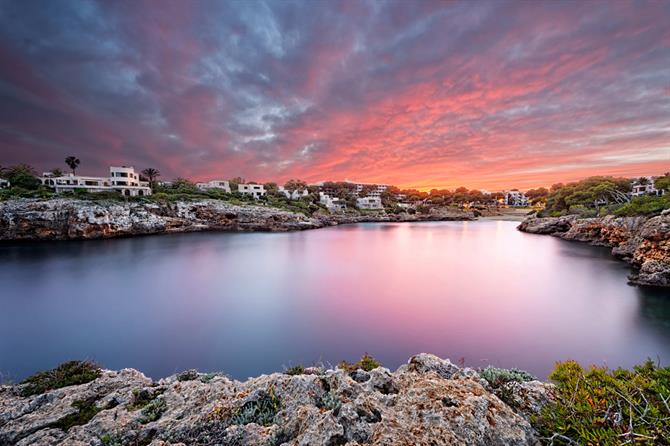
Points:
[(429, 401), (644, 242)]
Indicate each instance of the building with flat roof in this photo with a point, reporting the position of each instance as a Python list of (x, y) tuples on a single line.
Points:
[(257, 190), (121, 179), (370, 202), (215, 184)]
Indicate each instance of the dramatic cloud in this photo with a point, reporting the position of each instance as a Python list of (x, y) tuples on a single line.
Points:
[(416, 93)]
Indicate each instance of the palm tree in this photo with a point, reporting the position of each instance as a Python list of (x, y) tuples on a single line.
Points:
[(73, 163), (151, 174)]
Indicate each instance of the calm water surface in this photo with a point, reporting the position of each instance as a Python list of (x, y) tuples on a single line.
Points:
[(247, 304)]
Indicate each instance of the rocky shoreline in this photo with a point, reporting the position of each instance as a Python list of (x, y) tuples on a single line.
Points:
[(72, 219), (428, 401), (643, 242)]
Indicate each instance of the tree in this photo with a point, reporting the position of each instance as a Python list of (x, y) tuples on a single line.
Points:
[(643, 181), (233, 182), (56, 172), (151, 174), (73, 162), (23, 176), (663, 183), (538, 195), (292, 185), (590, 192)]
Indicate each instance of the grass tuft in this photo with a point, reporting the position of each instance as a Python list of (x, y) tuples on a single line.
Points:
[(67, 374)]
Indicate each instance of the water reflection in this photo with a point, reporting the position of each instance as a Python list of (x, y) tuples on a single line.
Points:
[(250, 303)]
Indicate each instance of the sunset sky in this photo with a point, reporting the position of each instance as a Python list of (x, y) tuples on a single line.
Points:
[(414, 93)]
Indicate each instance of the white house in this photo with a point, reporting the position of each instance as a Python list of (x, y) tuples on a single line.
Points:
[(516, 198), (257, 190), (369, 203), (648, 188), (121, 179), (333, 204), (295, 195), (215, 184), (4, 184), (375, 191)]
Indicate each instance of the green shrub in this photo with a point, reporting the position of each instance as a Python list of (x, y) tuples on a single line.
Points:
[(261, 410), (366, 363), (608, 407), (152, 411), (295, 370), (645, 205), (142, 397), (329, 401), (86, 410), (67, 374), (497, 377)]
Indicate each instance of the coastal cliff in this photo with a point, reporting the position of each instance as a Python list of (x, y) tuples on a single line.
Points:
[(644, 242), (71, 219), (428, 401)]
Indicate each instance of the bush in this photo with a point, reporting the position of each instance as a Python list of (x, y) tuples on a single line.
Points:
[(645, 205), (366, 363), (261, 410), (295, 370), (67, 374), (497, 377), (152, 411), (86, 410), (604, 407)]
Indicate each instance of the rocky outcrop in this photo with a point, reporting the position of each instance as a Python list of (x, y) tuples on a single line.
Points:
[(64, 219), (69, 219), (428, 401), (644, 242)]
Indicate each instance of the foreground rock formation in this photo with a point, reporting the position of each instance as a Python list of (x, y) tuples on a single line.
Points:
[(428, 401), (644, 242), (68, 219)]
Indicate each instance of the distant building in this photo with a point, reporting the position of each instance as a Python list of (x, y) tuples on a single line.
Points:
[(375, 189), (121, 179), (215, 184), (4, 184), (645, 187), (333, 204), (257, 190), (370, 202), (516, 198), (295, 195)]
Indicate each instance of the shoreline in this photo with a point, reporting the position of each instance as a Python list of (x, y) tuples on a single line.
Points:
[(72, 219), (642, 242)]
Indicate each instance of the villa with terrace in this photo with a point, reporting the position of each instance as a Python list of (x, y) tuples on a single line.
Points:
[(645, 186), (257, 190), (294, 195), (333, 204), (215, 184), (123, 180), (371, 202), (516, 198)]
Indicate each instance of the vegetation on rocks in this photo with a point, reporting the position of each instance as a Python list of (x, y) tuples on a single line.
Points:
[(607, 407), (260, 410), (497, 377), (366, 363), (152, 411), (67, 374), (600, 196)]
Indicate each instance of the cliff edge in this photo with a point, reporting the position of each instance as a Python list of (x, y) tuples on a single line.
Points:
[(644, 242)]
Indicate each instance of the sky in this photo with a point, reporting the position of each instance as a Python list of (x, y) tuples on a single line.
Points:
[(416, 93)]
